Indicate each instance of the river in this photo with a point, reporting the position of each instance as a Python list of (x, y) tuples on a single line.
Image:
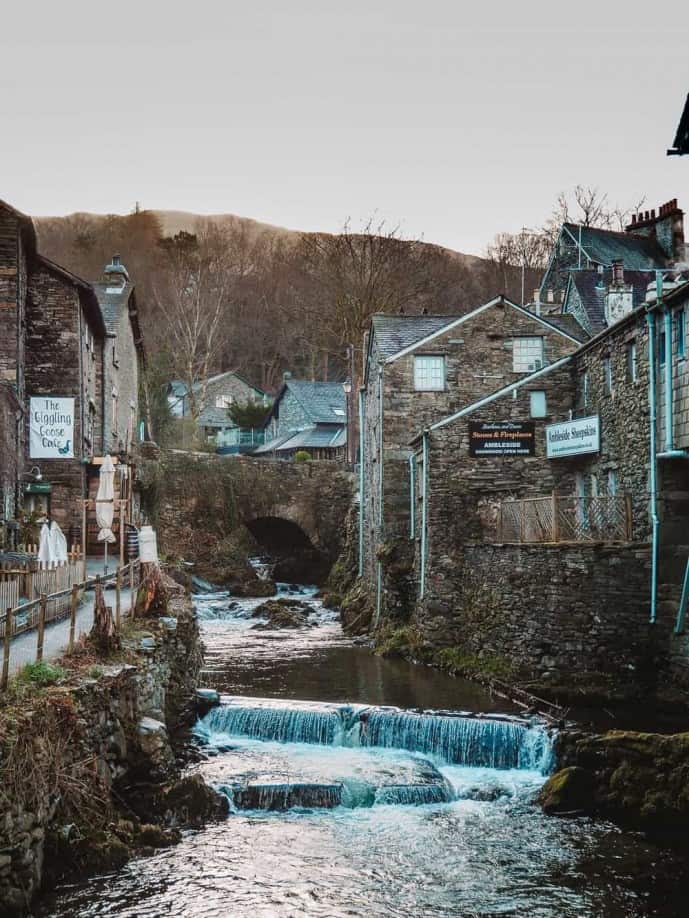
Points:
[(345, 803)]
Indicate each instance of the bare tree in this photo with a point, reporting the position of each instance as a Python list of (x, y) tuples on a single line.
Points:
[(194, 295), (587, 206)]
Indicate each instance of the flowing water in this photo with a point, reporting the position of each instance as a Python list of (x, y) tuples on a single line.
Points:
[(367, 787)]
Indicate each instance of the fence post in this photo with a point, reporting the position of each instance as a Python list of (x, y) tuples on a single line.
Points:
[(118, 598), (628, 516), (6, 650), (73, 615), (556, 521), (42, 607), (131, 588)]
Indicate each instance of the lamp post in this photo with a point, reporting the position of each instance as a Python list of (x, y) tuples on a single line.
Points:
[(347, 386)]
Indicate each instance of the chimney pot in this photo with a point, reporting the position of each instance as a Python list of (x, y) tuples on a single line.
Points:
[(633, 219), (549, 295), (653, 214)]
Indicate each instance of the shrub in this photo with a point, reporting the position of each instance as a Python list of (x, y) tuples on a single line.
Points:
[(302, 455), (41, 674)]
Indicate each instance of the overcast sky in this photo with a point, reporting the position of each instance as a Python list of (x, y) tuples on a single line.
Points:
[(456, 119)]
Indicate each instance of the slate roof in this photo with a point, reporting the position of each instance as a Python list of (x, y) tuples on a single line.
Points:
[(395, 332), (321, 436), (317, 399), (680, 147), (593, 294), (215, 417), (569, 325), (638, 253), (112, 304)]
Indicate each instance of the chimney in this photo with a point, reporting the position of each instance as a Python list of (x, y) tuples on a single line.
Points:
[(116, 275), (549, 295), (667, 228), (617, 272), (286, 375)]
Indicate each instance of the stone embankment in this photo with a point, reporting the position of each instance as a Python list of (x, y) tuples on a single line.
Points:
[(636, 779), (87, 769)]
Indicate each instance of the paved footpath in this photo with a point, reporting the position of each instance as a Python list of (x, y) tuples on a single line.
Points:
[(56, 636)]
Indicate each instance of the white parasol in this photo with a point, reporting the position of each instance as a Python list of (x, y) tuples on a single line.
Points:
[(105, 505), (58, 544), (44, 547)]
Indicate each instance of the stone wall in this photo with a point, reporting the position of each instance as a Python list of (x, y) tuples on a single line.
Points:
[(99, 729), (64, 360), (198, 499), (10, 459), (121, 366), (553, 611)]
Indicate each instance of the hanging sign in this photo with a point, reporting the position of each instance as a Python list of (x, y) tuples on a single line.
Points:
[(501, 438), (51, 427), (573, 438)]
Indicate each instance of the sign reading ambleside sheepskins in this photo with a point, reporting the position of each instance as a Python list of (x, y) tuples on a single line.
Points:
[(573, 438), (51, 427)]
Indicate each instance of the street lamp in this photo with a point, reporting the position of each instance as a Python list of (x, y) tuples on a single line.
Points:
[(347, 387)]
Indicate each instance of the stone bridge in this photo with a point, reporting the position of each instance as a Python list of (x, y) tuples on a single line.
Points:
[(195, 498)]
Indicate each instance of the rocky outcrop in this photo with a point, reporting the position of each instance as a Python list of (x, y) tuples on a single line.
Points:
[(636, 779), (72, 753), (283, 613)]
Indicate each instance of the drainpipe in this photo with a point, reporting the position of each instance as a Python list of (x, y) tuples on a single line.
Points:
[(667, 319), (650, 319), (424, 514), (361, 481), (412, 495), (381, 492)]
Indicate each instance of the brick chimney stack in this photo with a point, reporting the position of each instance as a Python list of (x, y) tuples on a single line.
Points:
[(667, 228), (617, 272)]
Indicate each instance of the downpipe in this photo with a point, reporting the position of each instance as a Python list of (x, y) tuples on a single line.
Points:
[(655, 523), (424, 514), (362, 443)]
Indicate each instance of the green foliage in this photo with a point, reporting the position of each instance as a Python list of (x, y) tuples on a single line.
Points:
[(406, 641), (153, 389), (95, 672), (40, 674), (249, 415), (461, 663), (302, 455)]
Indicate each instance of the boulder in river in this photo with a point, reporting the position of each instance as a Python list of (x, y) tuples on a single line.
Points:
[(283, 613)]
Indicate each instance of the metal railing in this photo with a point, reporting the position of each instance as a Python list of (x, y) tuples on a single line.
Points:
[(36, 613), (566, 518)]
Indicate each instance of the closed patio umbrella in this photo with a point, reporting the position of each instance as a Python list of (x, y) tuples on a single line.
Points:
[(105, 505)]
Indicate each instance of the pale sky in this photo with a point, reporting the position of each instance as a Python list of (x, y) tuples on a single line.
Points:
[(457, 120)]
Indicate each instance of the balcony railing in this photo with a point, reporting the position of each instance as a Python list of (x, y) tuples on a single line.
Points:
[(566, 518)]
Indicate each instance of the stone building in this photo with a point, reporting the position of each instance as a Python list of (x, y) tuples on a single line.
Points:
[(70, 373), (11, 423), (307, 417), (420, 369), (221, 392), (123, 358)]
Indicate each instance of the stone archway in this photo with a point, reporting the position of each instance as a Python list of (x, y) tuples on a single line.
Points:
[(297, 559)]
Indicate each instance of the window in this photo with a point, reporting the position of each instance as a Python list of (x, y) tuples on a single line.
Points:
[(661, 348), (538, 404), (594, 486), (612, 484), (607, 370), (223, 401), (338, 411), (429, 374), (583, 400), (527, 354), (680, 333), (632, 370), (115, 401)]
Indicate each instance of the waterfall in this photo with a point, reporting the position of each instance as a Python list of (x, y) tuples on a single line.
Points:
[(414, 794), (457, 740), (489, 742), (286, 796), (284, 725)]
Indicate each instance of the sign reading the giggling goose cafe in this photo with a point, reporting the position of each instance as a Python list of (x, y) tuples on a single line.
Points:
[(51, 428), (501, 438), (573, 438)]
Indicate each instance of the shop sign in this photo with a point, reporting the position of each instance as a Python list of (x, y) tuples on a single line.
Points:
[(573, 438), (51, 428), (501, 438)]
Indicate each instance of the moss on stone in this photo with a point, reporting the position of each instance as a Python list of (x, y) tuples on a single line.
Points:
[(568, 791), (486, 668)]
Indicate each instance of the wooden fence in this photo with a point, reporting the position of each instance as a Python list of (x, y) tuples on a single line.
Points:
[(566, 518), (49, 607)]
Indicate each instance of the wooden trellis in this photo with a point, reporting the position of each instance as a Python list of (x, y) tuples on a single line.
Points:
[(566, 518)]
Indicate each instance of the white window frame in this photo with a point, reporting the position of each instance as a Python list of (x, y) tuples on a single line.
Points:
[(429, 373), (607, 371), (527, 353), (223, 401), (632, 364)]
